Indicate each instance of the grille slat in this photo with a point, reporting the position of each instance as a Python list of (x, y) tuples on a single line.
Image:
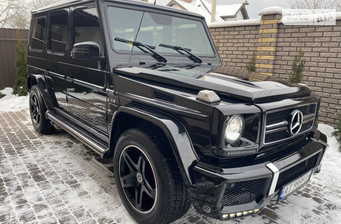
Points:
[(281, 120)]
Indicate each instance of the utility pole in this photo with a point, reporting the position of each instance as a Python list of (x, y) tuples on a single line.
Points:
[(214, 4)]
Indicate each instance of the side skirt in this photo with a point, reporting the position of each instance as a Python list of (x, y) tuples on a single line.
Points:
[(96, 145)]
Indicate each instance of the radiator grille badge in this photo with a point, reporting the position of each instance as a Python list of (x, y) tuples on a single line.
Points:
[(296, 122)]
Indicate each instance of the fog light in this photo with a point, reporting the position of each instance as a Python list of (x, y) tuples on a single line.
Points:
[(239, 214), (225, 216), (250, 212), (232, 215), (256, 210), (245, 213), (206, 208)]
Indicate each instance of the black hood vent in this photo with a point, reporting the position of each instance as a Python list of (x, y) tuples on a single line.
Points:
[(162, 96)]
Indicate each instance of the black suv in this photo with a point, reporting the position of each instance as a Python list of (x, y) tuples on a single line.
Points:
[(134, 81)]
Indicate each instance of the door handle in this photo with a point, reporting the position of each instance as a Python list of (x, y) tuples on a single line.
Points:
[(70, 79)]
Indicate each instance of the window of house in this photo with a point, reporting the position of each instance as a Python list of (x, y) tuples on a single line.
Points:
[(58, 32), (38, 33), (86, 26)]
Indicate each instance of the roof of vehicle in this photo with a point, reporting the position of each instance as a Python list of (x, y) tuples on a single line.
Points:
[(67, 3)]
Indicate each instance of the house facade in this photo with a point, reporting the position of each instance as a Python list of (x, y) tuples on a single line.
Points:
[(224, 13)]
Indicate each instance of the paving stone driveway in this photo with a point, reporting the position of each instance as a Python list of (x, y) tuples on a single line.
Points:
[(56, 179)]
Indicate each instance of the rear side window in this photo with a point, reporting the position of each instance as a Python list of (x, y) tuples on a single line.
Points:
[(38, 33), (58, 31)]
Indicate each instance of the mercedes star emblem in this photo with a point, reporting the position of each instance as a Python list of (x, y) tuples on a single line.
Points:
[(296, 122)]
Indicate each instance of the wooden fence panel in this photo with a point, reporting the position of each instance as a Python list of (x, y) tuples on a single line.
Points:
[(8, 42)]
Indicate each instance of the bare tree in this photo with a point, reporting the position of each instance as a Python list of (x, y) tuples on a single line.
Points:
[(315, 4), (8, 10), (36, 4), (21, 20), (17, 13)]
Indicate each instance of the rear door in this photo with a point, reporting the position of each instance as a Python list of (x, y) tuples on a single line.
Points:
[(56, 61), (87, 77)]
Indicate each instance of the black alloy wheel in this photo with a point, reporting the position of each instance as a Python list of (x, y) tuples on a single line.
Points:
[(37, 111), (147, 177), (138, 179)]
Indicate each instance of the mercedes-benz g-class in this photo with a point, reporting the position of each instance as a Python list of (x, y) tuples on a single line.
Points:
[(134, 81)]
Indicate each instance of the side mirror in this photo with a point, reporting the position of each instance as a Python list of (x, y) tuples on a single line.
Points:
[(86, 50)]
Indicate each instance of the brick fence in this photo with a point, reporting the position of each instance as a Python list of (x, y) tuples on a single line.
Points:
[(275, 46)]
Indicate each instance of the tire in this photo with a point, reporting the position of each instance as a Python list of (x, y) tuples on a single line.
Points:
[(147, 171), (37, 111)]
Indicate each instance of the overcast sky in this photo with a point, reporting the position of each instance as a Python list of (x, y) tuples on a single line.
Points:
[(255, 5)]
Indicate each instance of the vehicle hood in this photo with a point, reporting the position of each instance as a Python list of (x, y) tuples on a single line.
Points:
[(225, 86)]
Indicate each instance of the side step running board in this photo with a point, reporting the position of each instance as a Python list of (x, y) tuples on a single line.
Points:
[(78, 133)]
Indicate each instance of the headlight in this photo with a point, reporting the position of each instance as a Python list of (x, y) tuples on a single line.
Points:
[(234, 128)]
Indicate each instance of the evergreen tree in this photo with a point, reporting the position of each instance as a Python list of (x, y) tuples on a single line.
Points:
[(251, 66), (298, 67), (337, 133), (20, 69)]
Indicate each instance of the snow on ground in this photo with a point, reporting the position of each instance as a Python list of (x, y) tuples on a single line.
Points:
[(12, 102), (95, 193)]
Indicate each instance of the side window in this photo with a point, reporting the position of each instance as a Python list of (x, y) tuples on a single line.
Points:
[(86, 26), (58, 31), (38, 33)]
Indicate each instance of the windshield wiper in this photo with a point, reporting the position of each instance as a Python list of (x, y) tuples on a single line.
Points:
[(181, 50), (142, 47)]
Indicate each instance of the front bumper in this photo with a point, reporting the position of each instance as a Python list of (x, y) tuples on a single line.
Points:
[(228, 193)]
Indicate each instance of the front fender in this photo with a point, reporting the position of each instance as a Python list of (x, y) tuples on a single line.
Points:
[(175, 132)]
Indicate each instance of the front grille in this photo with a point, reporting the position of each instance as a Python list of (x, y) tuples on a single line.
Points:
[(277, 136), (276, 117), (307, 126), (278, 122), (243, 192), (291, 174)]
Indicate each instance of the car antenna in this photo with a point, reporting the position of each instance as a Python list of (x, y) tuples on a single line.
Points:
[(154, 2)]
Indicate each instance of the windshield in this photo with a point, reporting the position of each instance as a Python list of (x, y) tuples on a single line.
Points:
[(153, 29)]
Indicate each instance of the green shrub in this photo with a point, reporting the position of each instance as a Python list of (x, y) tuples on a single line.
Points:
[(251, 66), (298, 67), (21, 71), (337, 133)]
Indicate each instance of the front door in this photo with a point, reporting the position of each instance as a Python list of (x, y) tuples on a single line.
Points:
[(86, 93)]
